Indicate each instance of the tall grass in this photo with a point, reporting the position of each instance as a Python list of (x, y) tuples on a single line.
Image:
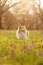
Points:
[(15, 51)]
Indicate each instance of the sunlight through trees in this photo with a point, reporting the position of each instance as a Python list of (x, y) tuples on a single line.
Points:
[(25, 11)]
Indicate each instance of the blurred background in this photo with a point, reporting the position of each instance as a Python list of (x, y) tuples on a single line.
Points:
[(25, 12)]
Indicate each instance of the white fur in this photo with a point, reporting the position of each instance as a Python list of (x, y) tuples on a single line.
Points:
[(22, 34)]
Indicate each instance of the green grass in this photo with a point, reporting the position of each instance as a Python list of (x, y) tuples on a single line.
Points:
[(14, 55)]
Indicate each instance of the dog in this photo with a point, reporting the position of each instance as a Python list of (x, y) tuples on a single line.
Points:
[(22, 32)]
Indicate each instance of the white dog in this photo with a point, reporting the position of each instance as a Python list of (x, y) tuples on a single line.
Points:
[(22, 32)]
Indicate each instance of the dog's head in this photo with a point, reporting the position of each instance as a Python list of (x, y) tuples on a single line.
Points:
[(22, 28)]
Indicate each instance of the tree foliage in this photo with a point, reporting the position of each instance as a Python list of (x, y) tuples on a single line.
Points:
[(28, 13)]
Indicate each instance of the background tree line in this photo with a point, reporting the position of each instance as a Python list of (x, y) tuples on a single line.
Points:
[(28, 13)]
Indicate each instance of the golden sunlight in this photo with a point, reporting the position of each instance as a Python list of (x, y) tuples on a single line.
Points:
[(41, 3), (26, 2), (13, 1)]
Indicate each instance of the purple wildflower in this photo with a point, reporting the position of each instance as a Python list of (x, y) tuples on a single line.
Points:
[(40, 53), (13, 47), (42, 46), (31, 47)]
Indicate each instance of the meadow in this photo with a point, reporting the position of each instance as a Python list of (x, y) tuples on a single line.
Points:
[(15, 51)]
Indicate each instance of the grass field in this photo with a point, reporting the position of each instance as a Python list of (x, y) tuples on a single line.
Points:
[(15, 51)]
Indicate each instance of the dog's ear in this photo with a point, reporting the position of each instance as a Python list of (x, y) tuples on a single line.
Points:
[(19, 26)]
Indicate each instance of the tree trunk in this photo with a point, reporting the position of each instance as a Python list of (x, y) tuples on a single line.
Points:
[(1, 14), (1, 22)]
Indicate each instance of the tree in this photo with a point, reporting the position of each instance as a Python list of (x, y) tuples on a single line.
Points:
[(2, 11), (9, 21)]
